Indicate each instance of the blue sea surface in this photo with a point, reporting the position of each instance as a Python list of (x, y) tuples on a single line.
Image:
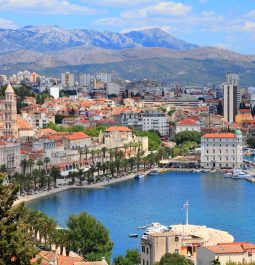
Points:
[(215, 201)]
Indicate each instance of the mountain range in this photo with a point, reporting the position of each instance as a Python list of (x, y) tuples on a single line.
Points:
[(151, 53)]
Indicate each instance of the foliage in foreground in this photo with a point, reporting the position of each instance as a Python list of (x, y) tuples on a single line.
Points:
[(16, 243), (132, 257), (173, 259), (89, 237)]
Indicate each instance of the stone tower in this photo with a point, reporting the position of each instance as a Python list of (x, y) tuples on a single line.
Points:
[(10, 127)]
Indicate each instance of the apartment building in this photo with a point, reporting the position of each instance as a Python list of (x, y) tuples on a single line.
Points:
[(148, 120), (222, 150), (67, 79)]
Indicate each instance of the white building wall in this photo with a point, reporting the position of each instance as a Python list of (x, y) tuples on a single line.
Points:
[(221, 152)]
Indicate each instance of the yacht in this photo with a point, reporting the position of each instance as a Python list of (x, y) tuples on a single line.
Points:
[(156, 228), (228, 175), (239, 174)]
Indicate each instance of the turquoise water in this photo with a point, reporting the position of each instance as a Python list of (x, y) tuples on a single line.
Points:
[(214, 201)]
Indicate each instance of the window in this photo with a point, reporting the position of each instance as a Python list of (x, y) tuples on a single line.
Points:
[(143, 262), (143, 249), (176, 239), (177, 251), (147, 263), (147, 250)]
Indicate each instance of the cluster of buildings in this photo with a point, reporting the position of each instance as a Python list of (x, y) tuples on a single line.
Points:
[(200, 244)]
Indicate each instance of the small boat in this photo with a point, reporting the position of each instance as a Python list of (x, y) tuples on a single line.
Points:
[(141, 227), (239, 174), (133, 235), (228, 175), (140, 176)]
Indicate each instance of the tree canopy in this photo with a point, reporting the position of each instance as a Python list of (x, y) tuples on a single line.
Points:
[(153, 138), (251, 142), (132, 257), (16, 243), (174, 259), (186, 136), (89, 237)]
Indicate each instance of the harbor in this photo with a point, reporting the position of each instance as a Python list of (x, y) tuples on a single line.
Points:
[(123, 207)]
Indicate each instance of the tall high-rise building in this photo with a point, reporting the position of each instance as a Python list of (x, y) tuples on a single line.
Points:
[(67, 79), (232, 98)]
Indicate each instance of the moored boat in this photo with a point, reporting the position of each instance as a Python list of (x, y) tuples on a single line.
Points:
[(133, 235)]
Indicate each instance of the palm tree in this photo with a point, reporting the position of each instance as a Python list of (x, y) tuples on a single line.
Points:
[(80, 174), (24, 164), (111, 153), (81, 152), (131, 161), (126, 146), (39, 163), (30, 164), (72, 175), (98, 166), (104, 150), (118, 164), (92, 153), (86, 151), (46, 160), (55, 174), (125, 164), (60, 237), (112, 167), (35, 176)]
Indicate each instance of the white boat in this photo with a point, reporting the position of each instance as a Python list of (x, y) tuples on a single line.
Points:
[(140, 176), (228, 175), (141, 227), (156, 228), (239, 174)]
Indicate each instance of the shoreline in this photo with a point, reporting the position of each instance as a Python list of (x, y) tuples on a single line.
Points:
[(100, 185)]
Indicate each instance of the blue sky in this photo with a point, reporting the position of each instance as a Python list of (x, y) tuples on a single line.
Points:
[(224, 23)]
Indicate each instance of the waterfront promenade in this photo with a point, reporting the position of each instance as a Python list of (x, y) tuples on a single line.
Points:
[(99, 185)]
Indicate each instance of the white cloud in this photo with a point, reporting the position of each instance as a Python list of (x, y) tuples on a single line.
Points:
[(249, 26), (7, 24), (160, 9), (119, 3), (63, 7)]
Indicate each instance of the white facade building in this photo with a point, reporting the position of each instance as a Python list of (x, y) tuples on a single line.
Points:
[(157, 121), (222, 150), (188, 125), (146, 121), (54, 92), (10, 155)]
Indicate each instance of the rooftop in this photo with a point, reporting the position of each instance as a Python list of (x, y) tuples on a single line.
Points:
[(219, 135)]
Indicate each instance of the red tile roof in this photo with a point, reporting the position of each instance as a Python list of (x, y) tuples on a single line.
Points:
[(64, 260), (118, 128), (219, 135), (187, 122), (77, 136), (234, 248)]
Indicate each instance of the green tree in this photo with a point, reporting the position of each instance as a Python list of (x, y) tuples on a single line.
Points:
[(132, 257), (16, 244), (88, 237), (185, 136), (55, 174), (174, 259), (251, 142), (153, 138)]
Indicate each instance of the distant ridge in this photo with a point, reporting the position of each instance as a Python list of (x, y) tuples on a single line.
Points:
[(55, 38)]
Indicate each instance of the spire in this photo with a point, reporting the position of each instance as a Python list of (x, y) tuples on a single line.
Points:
[(9, 89)]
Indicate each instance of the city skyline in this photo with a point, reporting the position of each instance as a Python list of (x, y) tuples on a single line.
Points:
[(203, 22)]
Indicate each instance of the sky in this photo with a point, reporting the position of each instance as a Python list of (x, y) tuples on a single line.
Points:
[(228, 24)]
